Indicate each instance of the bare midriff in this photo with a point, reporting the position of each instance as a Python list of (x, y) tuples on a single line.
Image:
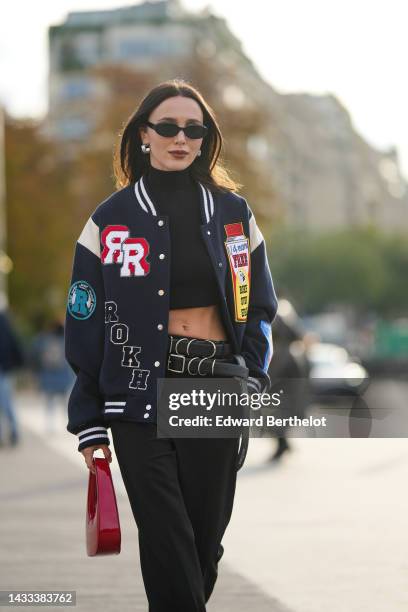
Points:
[(202, 322)]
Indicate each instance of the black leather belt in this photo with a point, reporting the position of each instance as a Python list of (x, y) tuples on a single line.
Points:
[(204, 366), (197, 347)]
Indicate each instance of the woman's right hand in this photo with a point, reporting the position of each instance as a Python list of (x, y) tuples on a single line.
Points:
[(89, 451)]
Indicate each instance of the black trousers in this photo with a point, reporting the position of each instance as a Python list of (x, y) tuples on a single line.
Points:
[(181, 492)]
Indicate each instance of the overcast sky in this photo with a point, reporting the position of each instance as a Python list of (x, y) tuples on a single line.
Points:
[(356, 50)]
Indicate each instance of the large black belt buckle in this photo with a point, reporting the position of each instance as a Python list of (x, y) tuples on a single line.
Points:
[(214, 348), (172, 358)]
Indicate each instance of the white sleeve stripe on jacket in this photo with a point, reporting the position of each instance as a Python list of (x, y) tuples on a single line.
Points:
[(101, 435), (89, 237), (103, 430), (255, 234)]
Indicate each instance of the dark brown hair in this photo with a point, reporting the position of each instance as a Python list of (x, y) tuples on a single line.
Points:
[(130, 163)]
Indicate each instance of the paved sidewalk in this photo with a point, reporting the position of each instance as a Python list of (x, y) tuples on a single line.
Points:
[(323, 531), (42, 501)]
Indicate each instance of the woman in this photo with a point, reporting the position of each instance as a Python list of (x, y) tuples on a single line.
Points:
[(170, 278)]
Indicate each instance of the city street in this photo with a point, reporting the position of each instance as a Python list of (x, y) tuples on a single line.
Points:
[(211, 193), (324, 530)]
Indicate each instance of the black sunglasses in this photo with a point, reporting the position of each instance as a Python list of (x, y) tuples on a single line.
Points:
[(172, 129)]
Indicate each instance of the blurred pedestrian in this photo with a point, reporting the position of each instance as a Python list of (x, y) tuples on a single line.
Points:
[(54, 376), (11, 358), (289, 361)]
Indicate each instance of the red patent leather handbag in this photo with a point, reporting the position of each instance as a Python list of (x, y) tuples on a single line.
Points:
[(103, 535)]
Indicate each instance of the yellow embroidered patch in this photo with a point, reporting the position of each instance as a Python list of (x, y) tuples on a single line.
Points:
[(237, 247)]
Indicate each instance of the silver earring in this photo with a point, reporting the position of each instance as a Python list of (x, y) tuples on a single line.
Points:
[(198, 152), (145, 148)]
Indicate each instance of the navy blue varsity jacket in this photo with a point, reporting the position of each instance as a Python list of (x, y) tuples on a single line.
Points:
[(116, 332)]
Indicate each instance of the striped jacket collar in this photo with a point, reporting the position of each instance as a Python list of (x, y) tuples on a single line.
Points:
[(146, 202)]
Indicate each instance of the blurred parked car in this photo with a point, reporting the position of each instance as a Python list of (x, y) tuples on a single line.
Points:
[(334, 374)]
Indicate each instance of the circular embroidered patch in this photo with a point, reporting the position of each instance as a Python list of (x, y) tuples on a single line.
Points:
[(81, 300)]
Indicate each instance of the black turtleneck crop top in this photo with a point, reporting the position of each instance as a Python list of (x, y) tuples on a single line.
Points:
[(192, 279)]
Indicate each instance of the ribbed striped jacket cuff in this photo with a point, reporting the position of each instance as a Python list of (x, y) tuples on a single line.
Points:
[(91, 436), (254, 385), (258, 385)]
